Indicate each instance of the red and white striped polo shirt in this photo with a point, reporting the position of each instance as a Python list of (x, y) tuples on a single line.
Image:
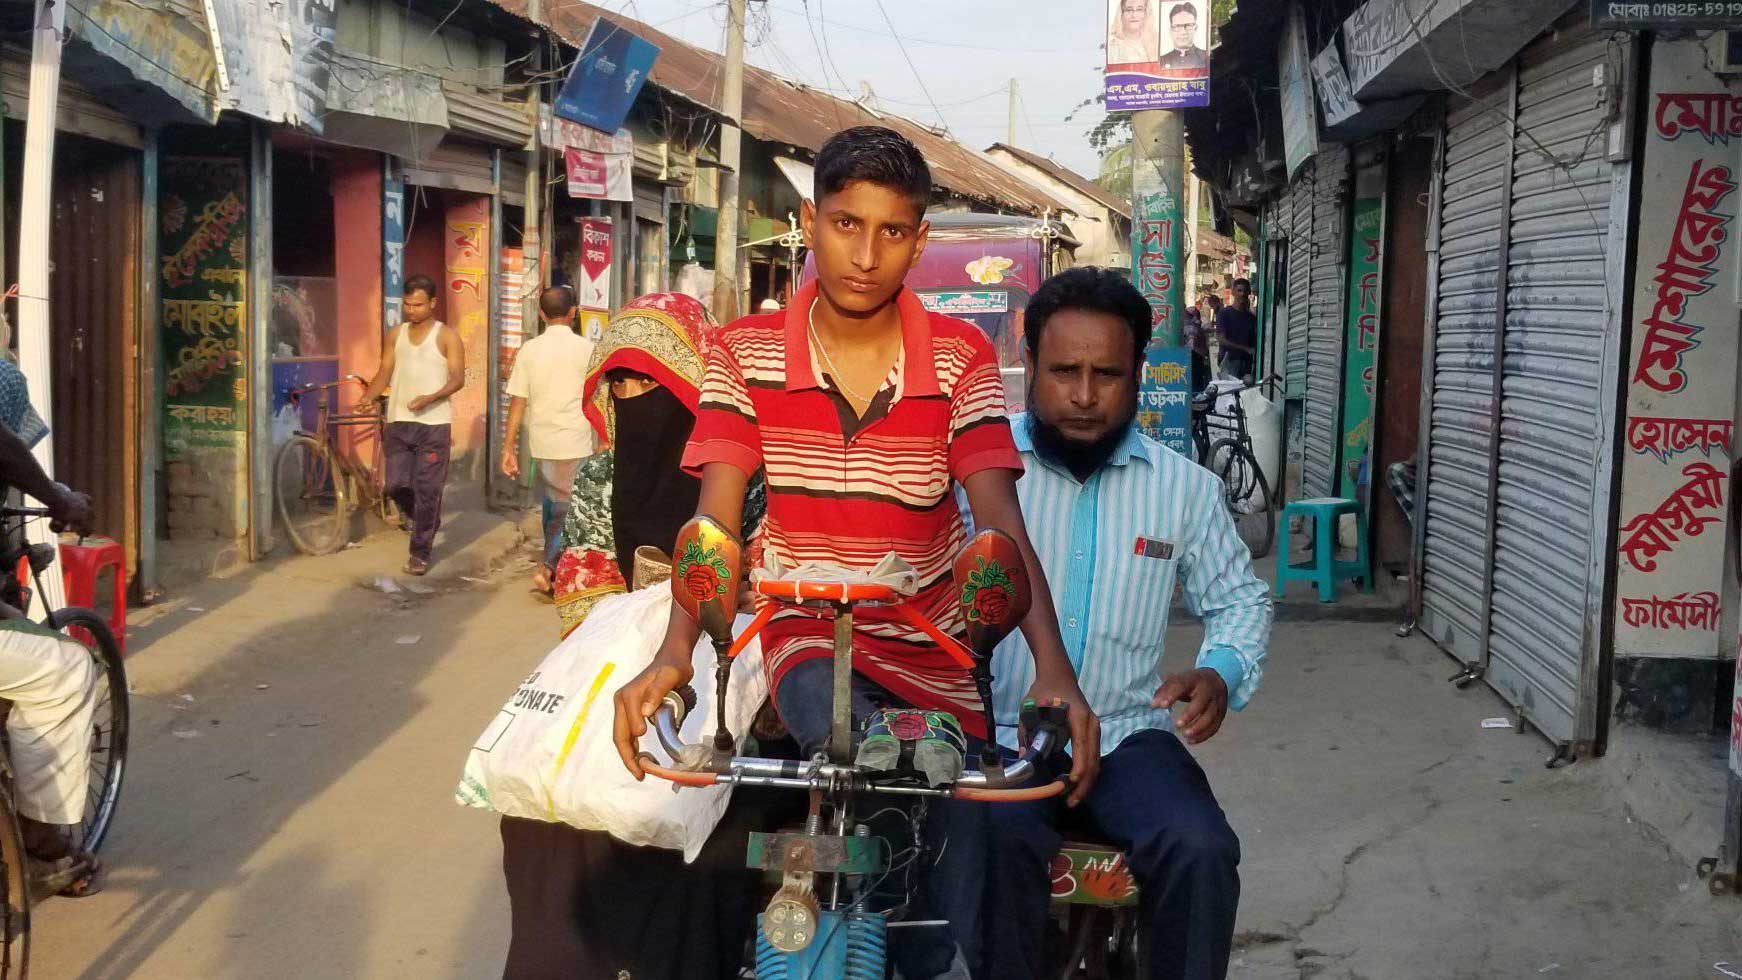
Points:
[(850, 491)]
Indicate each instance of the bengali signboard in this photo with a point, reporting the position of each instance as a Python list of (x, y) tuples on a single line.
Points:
[(1164, 399), (601, 87), (594, 294), (203, 235), (1157, 54), (1360, 362), (1164, 408), (1300, 121), (958, 303), (1679, 437), (1618, 15)]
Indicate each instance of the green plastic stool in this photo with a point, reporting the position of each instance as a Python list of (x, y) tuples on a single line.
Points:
[(1325, 569)]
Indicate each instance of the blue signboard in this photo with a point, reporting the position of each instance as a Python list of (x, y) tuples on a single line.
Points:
[(606, 77), (1164, 411)]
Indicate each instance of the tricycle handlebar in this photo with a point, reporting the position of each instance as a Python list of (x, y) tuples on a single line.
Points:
[(1003, 786)]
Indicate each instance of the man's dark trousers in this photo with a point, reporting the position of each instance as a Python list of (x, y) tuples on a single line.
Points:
[(1152, 800), (417, 470)]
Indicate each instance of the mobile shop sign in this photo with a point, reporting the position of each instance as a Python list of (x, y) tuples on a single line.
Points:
[(595, 280), (1362, 346), (1679, 438), (1614, 15), (607, 76), (1157, 54)]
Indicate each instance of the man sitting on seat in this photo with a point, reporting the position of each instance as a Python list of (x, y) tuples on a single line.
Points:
[(1116, 519)]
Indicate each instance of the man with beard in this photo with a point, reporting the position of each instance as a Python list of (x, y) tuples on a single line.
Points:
[(1116, 520)]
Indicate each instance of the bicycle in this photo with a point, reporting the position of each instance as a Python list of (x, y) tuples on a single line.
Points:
[(1245, 491), (109, 733), (818, 923), (318, 484)]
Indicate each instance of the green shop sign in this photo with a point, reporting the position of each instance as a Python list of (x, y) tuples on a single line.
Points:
[(203, 232), (1362, 345)]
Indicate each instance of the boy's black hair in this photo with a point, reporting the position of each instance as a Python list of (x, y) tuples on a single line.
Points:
[(1093, 289), (420, 283), (876, 155), (557, 301)]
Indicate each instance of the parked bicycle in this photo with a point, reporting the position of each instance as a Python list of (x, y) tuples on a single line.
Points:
[(109, 728), (322, 479), (1225, 448)]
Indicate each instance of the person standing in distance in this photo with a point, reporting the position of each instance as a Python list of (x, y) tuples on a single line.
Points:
[(423, 365), (545, 390), (1237, 326)]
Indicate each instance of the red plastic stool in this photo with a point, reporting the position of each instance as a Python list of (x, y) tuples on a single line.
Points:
[(80, 566)]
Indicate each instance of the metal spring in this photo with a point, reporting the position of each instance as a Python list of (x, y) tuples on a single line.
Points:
[(867, 947)]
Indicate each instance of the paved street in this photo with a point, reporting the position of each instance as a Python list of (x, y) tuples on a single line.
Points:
[(289, 810)]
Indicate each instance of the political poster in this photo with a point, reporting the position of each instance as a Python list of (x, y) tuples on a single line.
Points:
[(1158, 54)]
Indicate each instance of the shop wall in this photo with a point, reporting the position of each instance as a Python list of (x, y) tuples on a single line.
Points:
[(1400, 350), (425, 253), (1678, 442), (357, 255), (466, 308)]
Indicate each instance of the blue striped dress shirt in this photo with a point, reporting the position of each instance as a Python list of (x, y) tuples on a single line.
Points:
[(1113, 548)]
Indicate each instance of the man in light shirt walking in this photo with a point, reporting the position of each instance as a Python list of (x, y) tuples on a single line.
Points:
[(545, 390), (423, 365), (1117, 520)]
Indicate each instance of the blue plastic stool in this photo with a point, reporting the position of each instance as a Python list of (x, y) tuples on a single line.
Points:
[(1325, 569)]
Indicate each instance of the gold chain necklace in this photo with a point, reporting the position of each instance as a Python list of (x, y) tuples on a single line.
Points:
[(834, 372)]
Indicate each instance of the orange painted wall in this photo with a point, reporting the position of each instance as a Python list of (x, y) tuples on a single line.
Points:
[(466, 308), (357, 260)]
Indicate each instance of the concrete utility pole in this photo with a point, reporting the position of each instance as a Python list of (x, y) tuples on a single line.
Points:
[(34, 213), (1010, 137), (34, 216), (731, 139)]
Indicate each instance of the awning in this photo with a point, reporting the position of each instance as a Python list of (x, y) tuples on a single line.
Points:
[(377, 107), (165, 46), (801, 175), (1400, 47)]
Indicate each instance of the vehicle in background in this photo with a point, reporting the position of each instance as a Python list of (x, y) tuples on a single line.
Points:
[(983, 268)]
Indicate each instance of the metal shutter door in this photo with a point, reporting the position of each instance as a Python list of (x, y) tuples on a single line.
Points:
[(1553, 445), (1300, 234), (1455, 484), (1324, 340)]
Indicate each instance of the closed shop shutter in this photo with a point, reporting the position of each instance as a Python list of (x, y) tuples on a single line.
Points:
[(1520, 452), (486, 117), (1550, 537), (79, 111), (1472, 204), (650, 201), (1325, 328), (1300, 197), (458, 165)]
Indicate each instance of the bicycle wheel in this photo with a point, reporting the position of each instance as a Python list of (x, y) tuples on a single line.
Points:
[(109, 723), (312, 504), (15, 882), (1247, 495)]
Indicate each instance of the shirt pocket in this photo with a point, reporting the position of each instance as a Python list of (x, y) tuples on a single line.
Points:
[(1135, 593)]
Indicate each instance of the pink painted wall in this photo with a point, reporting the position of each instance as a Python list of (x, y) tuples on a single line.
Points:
[(357, 260)]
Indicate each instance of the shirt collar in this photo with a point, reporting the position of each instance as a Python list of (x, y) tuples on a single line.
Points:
[(919, 375), (1131, 447)]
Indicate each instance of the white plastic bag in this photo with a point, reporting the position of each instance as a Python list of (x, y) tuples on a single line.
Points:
[(548, 754)]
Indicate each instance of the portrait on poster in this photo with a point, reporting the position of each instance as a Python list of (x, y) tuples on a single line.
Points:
[(1157, 54)]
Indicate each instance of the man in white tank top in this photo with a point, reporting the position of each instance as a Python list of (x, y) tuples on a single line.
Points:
[(423, 365)]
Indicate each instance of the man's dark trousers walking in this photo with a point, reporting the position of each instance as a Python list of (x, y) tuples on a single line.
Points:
[(417, 470), (1153, 801)]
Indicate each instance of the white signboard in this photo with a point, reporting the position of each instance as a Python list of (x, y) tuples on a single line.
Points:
[(1335, 97), (1300, 129), (1679, 438)]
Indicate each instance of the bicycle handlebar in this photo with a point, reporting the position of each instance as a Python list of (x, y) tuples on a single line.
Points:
[(832, 591), (816, 774)]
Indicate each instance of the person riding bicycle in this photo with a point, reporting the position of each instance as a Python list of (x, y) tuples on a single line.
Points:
[(50, 680), (864, 410), (1117, 520)]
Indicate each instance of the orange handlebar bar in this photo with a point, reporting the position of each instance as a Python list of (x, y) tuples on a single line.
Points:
[(833, 591)]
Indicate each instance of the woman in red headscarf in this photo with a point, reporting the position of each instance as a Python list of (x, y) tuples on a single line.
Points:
[(583, 903)]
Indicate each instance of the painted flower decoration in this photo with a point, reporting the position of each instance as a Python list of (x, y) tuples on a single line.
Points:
[(703, 573), (988, 593), (988, 270)]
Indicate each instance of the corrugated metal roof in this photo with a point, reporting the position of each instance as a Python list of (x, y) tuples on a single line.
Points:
[(1070, 178), (778, 110)]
